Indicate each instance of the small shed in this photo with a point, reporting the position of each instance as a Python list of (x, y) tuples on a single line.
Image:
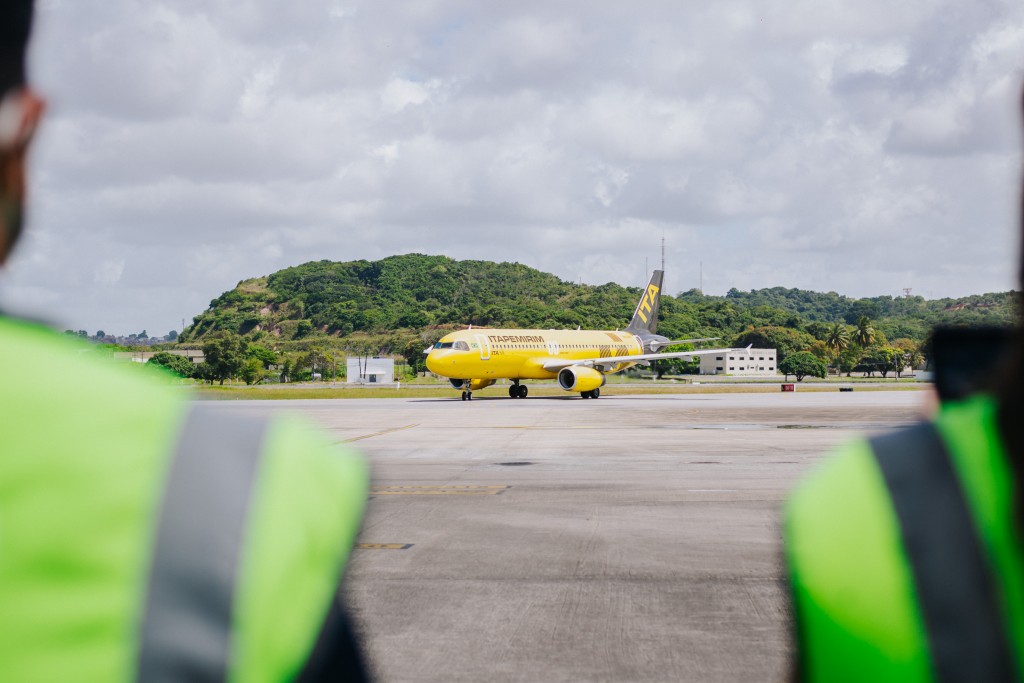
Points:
[(370, 370)]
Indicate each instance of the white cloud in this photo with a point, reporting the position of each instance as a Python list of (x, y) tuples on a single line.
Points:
[(194, 144), (109, 272), (400, 93)]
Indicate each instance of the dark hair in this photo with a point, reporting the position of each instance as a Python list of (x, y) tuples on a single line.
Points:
[(1011, 387), (15, 24)]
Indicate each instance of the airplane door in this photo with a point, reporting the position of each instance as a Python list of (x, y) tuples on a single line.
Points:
[(485, 346), (553, 348)]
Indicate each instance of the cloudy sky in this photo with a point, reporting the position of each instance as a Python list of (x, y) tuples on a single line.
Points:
[(823, 144)]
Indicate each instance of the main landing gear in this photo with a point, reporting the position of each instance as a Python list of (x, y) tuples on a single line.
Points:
[(517, 390), (593, 393)]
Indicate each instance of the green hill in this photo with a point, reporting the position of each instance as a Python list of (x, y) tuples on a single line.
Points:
[(406, 301)]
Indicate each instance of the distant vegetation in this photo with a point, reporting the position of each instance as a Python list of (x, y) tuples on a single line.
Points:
[(401, 304)]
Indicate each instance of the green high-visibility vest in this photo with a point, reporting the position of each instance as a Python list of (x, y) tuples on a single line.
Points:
[(904, 557), (143, 537)]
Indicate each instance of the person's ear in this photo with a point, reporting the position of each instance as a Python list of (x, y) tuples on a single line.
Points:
[(20, 112)]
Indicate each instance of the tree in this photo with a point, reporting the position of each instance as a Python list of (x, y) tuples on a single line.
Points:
[(414, 356), (676, 366), (897, 361), (181, 366), (203, 372), (172, 335), (286, 370), (783, 340), (910, 351), (848, 360), (838, 340), (802, 364), (818, 330), (864, 335), (100, 334), (878, 359), (224, 354), (821, 351), (252, 371), (265, 356)]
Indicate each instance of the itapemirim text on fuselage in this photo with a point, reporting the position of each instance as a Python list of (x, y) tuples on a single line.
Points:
[(476, 358)]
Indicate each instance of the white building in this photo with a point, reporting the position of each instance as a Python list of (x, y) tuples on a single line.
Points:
[(740, 362), (370, 370)]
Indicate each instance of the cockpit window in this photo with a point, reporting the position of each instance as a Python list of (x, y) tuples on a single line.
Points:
[(460, 346), (443, 345)]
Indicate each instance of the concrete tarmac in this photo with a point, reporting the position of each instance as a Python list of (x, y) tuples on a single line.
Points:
[(631, 538)]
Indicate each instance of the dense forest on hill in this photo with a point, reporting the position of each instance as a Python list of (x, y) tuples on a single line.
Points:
[(401, 303)]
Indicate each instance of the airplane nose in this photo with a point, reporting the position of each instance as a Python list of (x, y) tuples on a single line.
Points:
[(432, 362)]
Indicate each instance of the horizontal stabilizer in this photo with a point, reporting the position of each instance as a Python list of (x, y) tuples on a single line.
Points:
[(597, 363), (672, 342)]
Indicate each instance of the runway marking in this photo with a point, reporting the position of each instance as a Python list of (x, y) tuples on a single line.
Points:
[(380, 433), (383, 546), (544, 427), (712, 490), (439, 490)]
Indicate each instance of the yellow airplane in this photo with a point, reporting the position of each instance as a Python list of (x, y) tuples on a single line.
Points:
[(475, 358)]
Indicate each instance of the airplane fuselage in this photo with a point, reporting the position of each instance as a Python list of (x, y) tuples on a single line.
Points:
[(488, 354), (580, 360)]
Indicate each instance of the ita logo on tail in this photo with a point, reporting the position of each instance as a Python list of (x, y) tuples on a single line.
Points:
[(645, 317)]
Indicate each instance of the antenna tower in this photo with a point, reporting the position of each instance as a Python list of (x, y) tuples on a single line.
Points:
[(907, 291)]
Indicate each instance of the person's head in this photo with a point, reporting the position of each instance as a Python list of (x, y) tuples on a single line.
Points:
[(1011, 385), (20, 110)]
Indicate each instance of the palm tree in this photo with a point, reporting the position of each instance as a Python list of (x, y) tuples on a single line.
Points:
[(864, 335), (838, 340)]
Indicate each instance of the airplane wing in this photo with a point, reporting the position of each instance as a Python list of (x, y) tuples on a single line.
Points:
[(597, 363)]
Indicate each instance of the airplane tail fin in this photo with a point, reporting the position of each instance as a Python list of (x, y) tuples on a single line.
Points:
[(645, 317)]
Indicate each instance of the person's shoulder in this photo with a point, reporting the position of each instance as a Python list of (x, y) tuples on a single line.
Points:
[(837, 508), (294, 438), (40, 364), (848, 466)]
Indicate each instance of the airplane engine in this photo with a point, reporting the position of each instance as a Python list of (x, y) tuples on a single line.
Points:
[(578, 378), (470, 384)]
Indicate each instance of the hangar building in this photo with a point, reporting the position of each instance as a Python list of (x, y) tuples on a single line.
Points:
[(757, 362)]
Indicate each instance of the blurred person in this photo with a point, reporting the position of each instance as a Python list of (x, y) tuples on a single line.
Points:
[(143, 537), (904, 551)]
